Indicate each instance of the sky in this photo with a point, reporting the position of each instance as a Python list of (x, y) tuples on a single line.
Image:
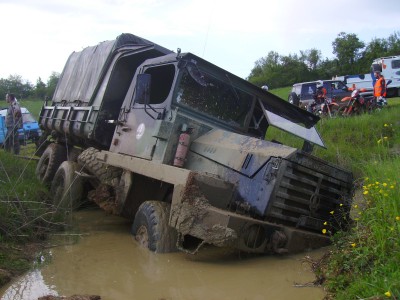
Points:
[(37, 36)]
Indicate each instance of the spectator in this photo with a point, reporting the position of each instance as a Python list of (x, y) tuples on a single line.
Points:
[(319, 96), (13, 123), (380, 89)]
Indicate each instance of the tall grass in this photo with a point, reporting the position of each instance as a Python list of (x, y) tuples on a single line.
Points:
[(365, 261), (26, 213)]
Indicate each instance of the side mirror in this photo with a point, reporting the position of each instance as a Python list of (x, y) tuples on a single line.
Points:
[(142, 91)]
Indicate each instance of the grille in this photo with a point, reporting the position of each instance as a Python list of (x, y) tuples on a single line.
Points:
[(305, 197)]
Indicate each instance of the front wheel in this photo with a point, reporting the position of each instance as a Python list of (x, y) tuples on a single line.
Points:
[(151, 229)]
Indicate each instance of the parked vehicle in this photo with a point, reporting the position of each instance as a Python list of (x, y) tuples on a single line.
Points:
[(302, 94), (3, 130), (30, 131), (176, 144), (390, 69)]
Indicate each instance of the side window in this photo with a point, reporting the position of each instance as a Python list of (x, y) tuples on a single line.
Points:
[(396, 64), (308, 89), (162, 78), (340, 86)]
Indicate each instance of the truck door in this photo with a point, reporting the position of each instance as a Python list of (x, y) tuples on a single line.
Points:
[(149, 102)]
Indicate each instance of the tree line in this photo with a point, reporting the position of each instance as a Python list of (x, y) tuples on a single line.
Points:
[(352, 56), (25, 90)]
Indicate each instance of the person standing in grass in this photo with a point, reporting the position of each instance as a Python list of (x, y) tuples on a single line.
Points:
[(13, 123), (380, 89)]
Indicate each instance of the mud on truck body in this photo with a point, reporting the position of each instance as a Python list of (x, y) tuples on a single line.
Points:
[(176, 144)]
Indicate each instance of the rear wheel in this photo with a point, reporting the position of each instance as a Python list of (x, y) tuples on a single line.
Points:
[(294, 99), (151, 229), (67, 187), (49, 162)]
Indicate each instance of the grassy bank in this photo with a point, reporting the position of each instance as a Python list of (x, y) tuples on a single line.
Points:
[(365, 261), (26, 216)]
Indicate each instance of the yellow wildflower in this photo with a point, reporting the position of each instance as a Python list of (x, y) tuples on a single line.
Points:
[(377, 182), (384, 184), (392, 186), (332, 212), (366, 179), (386, 125), (359, 212), (385, 138), (365, 192), (356, 219), (341, 204), (324, 231), (379, 141), (353, 245), (325, 223), (355, 206), (388, 294), (398, 218)]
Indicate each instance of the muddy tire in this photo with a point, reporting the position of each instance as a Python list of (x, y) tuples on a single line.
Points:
[(150, 227), (73, 153), (67, 187), (49, 162), (41, 144), (106, 174)]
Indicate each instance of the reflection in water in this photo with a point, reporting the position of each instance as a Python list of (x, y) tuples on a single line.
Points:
[(108, 262)]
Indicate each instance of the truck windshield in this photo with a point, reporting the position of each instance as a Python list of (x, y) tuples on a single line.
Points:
[(213, 97)]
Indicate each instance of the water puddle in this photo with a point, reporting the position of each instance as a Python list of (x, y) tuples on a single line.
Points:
[(106, 261)]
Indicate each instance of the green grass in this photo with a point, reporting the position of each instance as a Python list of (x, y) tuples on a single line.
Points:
[(26, 213), (364, 263), (282, 92)]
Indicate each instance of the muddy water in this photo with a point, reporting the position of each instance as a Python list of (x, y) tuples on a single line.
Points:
[(106, 261)]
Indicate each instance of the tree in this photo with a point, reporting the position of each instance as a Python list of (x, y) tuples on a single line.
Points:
[(40, 89), (347, 48), (311, 58), (14, 84), (394, 43), (52, 84)]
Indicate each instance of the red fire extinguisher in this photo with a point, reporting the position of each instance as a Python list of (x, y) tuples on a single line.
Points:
[(182, 149)]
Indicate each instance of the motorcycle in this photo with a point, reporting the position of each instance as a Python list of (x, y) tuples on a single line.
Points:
[(356, 104), (324, 107)]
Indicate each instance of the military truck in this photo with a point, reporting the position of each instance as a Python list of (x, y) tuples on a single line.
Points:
[(177, 145)]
